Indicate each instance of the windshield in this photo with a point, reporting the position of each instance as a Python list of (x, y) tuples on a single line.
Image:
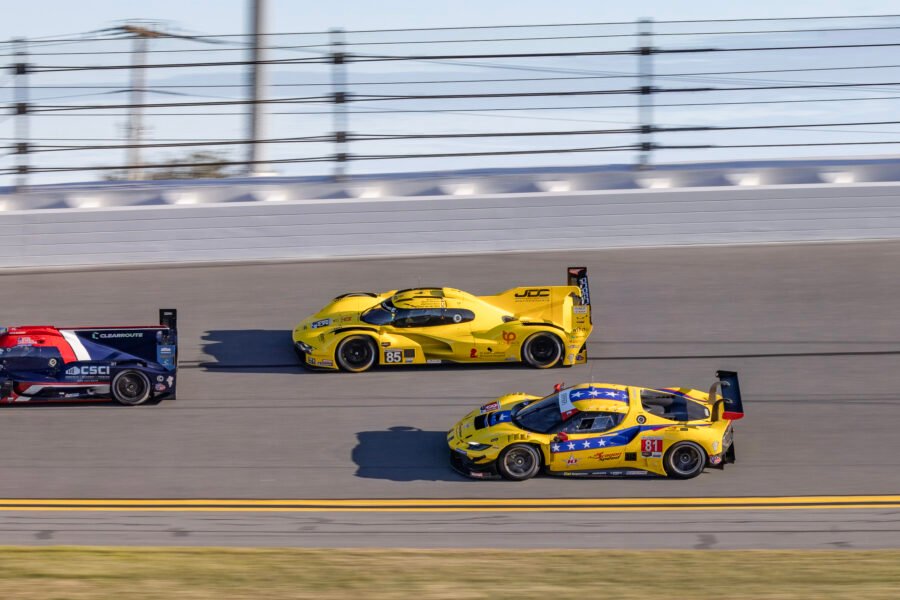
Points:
[(382, 314), (541, 417)]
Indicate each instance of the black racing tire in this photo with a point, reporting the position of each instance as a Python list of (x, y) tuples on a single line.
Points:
[(356, 353), (130, 387), (684, 460), (519, 462), (542, 350)]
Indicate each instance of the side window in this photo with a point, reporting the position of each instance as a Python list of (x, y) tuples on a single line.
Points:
[(672, 407), (431, 317), (592, 422)]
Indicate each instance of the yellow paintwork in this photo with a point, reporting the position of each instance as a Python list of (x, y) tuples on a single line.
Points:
[(501, 324), (577, 459)]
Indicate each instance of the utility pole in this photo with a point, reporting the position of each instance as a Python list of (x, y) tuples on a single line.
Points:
[(256, 82), (339, 114), (22, 109), (140, 36), (645, 80)]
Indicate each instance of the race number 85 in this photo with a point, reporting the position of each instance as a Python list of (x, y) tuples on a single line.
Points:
[(393, 356)]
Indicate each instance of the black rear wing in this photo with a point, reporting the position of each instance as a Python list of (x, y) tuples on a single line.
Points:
[(167, 341), (730, 407), (578, 277)]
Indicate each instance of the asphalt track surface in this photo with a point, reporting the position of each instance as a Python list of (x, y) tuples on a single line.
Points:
[(812, 329)]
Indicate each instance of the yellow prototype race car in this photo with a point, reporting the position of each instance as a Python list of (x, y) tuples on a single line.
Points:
[(600, 430), (543, 326)]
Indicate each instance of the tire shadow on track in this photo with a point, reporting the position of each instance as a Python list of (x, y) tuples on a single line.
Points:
[(403, 453), (250, 350)]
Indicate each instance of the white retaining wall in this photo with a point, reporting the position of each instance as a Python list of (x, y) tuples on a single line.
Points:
[(262, 221)]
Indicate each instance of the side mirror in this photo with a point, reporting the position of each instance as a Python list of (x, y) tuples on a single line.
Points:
[(558, 387)]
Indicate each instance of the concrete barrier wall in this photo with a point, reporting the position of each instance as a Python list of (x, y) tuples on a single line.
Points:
[(186, 228)]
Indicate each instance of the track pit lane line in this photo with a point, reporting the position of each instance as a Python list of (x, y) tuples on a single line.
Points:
[(459, 505)]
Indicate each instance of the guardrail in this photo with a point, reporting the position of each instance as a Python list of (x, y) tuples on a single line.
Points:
[(272, 220)]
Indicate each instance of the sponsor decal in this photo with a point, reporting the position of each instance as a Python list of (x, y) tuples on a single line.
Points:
[(346, 319), (170, 380), (490, 407), (433, 361), (473, 353), (88, 370), (604, 456), (326, 363), (476, 474), (715, 460), (641, 419), (52, 362), (320, 323), (579, 310), (393, 357), (508, 337), (571, 460), (25, 341), (639, 473), (310, 360), (160, 378), (566, 408), (715, 446), (166, 350), (119, 335), (570, 357), (510, 359), (651, 447), (160, 387), (579, 357), (385, 344), (533, 293), (408, 360)]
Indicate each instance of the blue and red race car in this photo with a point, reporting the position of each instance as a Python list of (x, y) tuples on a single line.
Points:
[(131, 365)]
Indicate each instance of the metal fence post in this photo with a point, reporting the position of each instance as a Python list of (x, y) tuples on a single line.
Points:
[(339, 112), (22, 134), (645, 98)]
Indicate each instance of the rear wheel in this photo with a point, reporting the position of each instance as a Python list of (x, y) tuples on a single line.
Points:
[(542, 350), (519, 462), (356, 353), (130, 387), (684, 460)]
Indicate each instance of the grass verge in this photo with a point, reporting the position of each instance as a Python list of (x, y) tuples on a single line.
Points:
[(57, 573)]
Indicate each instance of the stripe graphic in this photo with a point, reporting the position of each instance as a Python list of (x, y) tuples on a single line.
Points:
[(459, 505), (75, 342)]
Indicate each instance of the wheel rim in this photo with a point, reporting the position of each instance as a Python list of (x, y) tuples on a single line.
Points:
[(130, 387), (686, 460), (519, 462), (357, 353), (544, 349)]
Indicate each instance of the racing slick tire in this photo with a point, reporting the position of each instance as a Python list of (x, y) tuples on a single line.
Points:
[(519, 462), (684, 460), (130, 387), (356, 353), (542, 350)]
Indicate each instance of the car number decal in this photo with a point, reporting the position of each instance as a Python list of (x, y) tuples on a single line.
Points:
[(393, 356)]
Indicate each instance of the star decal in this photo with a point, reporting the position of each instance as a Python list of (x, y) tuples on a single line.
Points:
[(587, 443), (593, 393), (601, 443), (571, 446), (611, 394), (578, 394), (555, 447)]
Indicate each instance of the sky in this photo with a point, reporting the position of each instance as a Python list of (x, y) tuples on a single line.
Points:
[(43, 18)]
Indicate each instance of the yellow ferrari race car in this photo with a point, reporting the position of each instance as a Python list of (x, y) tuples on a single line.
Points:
[(543, 326), (600, 430)]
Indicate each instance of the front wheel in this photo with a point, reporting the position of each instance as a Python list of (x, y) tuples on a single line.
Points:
[(684, 460), (519, 462), (356, 353), (130, 387), (542, 350)]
